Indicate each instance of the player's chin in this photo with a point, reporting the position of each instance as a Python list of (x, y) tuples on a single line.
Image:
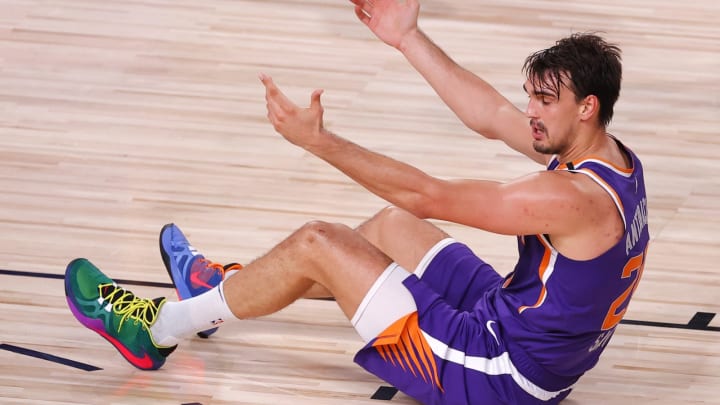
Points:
[(542, 146)]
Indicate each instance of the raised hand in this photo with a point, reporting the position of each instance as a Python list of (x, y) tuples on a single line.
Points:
[(389, 20), (300, 126)]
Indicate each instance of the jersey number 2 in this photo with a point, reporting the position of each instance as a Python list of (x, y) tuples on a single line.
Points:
[(634, 265)]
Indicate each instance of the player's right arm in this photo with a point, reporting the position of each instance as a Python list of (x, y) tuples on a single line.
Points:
[(478, 105)]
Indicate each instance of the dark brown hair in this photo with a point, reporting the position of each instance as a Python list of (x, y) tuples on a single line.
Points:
[(591, 65)]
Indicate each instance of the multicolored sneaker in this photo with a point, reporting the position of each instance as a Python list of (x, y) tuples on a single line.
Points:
[(116, 314), (191, 273)]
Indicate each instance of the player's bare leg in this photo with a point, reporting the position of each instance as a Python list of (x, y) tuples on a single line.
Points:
[(402, 236), (331, 255)]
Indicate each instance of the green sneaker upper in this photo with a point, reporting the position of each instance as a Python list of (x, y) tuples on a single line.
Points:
[(115, 314)]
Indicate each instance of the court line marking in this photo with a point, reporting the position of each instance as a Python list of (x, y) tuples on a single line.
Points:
[(384, 393), (49, 357)]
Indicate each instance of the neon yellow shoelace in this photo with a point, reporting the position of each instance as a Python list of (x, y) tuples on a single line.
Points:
[(128, 306)]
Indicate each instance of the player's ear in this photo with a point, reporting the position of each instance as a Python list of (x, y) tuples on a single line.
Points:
[(589, 107)]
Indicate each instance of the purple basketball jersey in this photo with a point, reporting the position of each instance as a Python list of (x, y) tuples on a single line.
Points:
[(560, 311)]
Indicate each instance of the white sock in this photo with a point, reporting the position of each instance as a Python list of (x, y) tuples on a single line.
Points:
[(177, 320)]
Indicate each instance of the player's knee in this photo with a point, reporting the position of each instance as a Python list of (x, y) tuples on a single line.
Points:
[(320, 234), (395, 214), (392, 218)]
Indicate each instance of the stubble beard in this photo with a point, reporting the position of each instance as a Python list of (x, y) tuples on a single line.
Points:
[(544, 149), (538, 145)]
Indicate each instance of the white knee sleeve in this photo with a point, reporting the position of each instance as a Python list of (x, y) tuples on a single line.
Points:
[(387, 301)]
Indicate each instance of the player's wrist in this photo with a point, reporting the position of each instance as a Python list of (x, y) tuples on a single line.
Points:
[(411, 40), (324, 144)]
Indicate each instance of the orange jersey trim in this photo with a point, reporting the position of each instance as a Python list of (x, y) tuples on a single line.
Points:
[(546, 264)]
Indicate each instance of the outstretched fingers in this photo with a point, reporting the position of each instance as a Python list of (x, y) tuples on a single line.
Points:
[(315, 103), (300, 126), (274, 96), (279, 107)]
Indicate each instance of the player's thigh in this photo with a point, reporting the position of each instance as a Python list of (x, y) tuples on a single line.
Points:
[(402, 236), (457, 274)]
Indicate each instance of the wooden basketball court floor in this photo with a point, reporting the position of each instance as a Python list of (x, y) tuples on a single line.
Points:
[(117, 117)]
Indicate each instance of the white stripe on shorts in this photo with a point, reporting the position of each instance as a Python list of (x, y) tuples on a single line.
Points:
[(494, 366)]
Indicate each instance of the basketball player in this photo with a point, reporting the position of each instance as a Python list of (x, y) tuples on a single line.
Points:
[(439, 323)]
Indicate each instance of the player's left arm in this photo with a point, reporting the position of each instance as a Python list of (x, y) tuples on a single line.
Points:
[(550, 202)]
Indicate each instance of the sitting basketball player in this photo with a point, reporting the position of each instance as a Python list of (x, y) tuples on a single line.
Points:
[(440, 324)]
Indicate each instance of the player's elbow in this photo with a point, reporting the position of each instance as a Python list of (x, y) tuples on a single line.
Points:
[(427, 201)]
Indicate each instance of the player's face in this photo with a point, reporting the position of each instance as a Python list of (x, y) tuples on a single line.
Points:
[(553, 117)]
